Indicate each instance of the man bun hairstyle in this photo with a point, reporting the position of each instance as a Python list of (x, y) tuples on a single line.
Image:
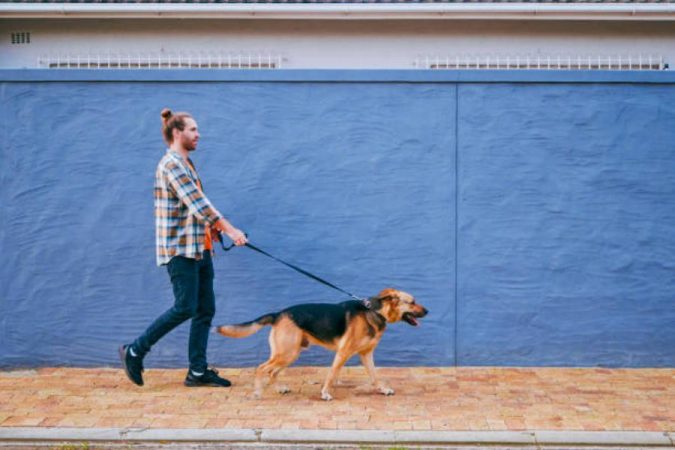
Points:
[(171, 121)]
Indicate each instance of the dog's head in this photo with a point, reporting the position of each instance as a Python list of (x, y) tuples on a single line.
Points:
[(397, 305)]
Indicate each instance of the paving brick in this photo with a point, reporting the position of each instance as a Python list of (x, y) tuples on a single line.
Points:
[(447, 399), (78, 421), (22, 421)]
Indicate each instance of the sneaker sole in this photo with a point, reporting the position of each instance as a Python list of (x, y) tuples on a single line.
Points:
[(195, 384)]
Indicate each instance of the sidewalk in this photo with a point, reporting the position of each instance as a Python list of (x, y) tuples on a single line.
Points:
[(534, 406)]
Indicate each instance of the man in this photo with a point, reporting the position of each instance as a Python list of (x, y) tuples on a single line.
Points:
[(186, 224)]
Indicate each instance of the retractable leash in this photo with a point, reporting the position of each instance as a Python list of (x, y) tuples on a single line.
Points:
[(294, 267)]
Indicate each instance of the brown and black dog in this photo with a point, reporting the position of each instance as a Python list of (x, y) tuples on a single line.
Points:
[(346, 328)]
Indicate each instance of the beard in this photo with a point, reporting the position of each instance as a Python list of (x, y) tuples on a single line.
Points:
[(189, 145)]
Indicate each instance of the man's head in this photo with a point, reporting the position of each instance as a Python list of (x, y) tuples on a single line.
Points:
[(179, 130)]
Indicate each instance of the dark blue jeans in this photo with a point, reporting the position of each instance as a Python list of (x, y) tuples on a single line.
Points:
[(192, 282)]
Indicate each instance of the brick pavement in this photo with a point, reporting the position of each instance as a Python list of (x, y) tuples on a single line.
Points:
[(427, 399)]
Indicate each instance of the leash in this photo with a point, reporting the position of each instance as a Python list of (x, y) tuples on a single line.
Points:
[(294, 267)]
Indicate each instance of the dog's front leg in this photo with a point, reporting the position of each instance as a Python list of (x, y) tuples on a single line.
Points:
[(341, 358), (369, 364)]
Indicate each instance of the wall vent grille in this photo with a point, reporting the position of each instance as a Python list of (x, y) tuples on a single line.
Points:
[(112, 60), (541, 62), (21, 38)]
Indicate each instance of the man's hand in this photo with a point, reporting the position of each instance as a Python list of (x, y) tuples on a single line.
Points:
[(237, 236)]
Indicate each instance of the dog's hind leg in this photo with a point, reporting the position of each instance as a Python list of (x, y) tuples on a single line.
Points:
[(280, 387), (369, 364), (285, 344), (269, 369)]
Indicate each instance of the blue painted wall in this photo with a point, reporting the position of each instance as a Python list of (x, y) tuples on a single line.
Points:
[(566, 225), (533, 218)]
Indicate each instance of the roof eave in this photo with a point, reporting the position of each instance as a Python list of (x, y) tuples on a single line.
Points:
[(344, 11)]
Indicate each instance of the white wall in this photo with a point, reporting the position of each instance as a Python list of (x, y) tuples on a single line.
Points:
[(334, 44)]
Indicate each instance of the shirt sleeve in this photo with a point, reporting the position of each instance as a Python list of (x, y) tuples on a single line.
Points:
[(190, 195)]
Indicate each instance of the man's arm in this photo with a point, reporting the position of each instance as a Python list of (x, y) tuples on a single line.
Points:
[(199, 205)]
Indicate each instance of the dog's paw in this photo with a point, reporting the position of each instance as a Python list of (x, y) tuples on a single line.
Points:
[(326, 396), (283, 389), (386, 390)]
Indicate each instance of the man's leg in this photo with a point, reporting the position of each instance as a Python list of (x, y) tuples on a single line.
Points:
[(184, 274), (199, 373), (201, 321)]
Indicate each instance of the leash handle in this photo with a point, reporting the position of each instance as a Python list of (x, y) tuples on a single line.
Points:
[(222, 242), (296, 268)]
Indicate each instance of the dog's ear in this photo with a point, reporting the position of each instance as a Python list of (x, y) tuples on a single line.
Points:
[(388, 293), (388, 301)]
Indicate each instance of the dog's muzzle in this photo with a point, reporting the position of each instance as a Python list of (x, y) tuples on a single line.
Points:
[(411, 317)]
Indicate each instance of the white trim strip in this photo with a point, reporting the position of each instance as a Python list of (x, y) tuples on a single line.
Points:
[(407, 11)]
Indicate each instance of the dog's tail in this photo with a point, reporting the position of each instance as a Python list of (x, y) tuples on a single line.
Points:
[(246, 329)]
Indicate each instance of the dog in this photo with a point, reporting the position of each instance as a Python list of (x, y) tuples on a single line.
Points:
[(346, 328)]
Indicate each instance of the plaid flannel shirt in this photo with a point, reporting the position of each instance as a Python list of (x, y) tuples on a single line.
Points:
[(181, 210)]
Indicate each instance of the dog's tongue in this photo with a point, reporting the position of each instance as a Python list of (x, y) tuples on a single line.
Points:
[(411, 320)]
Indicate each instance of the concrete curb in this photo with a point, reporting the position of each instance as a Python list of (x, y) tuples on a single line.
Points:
[(396, 437), (612, 438), (268, 436)]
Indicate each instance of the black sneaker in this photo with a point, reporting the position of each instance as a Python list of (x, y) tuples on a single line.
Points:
[(210, 378), (133, 365)]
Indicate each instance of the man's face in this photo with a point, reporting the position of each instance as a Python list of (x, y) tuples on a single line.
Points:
[(189, 136)]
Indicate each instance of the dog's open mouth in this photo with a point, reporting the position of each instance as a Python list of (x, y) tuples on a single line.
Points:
[(408, 317)]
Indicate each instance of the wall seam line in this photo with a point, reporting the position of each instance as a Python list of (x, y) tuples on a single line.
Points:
[(456, 344)]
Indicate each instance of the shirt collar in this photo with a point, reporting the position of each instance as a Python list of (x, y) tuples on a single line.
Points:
[(175, 154), (178, 157)]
